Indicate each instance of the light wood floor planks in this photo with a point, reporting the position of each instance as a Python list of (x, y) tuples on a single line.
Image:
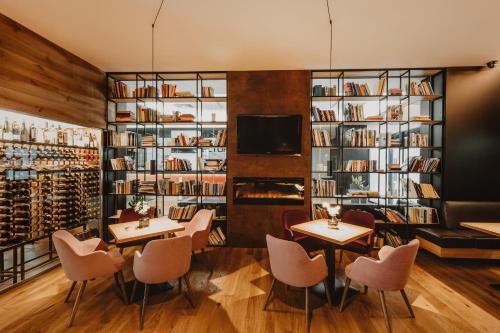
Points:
[(447, 296)]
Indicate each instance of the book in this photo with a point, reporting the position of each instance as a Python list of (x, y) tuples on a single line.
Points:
[(381, 86), (212, 188), (319, 212), (360, 165), (323, 115), (177, 164), (423, 164), (424, 88), (146, 92), (324, 91), (125, 116), (148, 141), (354, 112), (120, 139), (422, 215), (419, 140), (419, 191), (395, 91), (207, 92), (168, 90), (220, 140), (323, 188), (181, 213), (125, 186), (356, 89), (421, 117), (122, 163), (119, 90), (146, 115), (147, 187), (321, 138), (360, 137)]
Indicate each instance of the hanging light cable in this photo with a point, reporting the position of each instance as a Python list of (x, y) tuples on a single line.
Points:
[(153, 37), (331, 51)]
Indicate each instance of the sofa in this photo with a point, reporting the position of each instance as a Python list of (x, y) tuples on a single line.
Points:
[(451, 240)]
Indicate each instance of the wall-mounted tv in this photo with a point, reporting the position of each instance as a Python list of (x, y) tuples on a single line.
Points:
[(269, 134)]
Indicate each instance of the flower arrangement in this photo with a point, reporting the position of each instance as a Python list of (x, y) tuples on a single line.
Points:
[(142, 208)]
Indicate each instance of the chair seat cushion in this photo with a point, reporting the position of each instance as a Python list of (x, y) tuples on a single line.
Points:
[(117, 258), (446, 238)]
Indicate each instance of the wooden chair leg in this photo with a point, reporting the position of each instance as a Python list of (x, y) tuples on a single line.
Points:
[(384, 308), (66, 300), (341, 254), (143, 306), (121, 281), (188, 293), (268, 297), (308, 316), (405, 297), (327, 291), (132, 294), (344, 294), (77, 303)]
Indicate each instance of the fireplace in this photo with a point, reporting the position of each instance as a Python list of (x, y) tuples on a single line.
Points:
[(268, 191)]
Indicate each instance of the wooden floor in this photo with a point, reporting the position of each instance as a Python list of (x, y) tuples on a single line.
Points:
[(447, 296)]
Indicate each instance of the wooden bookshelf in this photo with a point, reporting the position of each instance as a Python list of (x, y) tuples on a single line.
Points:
[(328, 162), (210, 116)]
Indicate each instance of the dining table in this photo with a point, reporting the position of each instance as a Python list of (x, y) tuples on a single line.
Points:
[(343, 234)]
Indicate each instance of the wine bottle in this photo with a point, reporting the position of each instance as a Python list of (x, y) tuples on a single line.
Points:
[(25, 136), (7, 130), (33, 133), (60, 135), (46, 138), (16, 132)]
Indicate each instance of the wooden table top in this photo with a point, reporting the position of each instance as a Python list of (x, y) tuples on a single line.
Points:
[(492, 228), (345, 233), (129, 231)]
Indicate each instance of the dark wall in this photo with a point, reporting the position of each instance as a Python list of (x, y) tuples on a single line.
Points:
[(266, 92), (472, 135), (42, 79)]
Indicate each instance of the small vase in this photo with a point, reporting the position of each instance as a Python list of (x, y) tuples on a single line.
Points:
[(333, 223), (144, 222)]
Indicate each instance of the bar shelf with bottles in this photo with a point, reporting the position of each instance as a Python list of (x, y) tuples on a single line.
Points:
[(166, 140), (49, 180), (377, 144)]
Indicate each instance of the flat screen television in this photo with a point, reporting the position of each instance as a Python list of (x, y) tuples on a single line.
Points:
[(269, 134)]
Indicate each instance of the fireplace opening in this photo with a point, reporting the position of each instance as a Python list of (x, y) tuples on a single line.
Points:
[(268, 191)]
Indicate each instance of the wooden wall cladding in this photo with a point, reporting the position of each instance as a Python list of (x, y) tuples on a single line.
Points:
[(44, 80), (472, 134), (266, 92)]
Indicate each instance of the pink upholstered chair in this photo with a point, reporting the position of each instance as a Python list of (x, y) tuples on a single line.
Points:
[(86, 260), (162, 260), (363, 245), (390, 273), (198, 229), (295, 216), (291, 265)]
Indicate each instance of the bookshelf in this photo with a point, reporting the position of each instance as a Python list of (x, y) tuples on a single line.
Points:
[(377, 135), (176, 143)]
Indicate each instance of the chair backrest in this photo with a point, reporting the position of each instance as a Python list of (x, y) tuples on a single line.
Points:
[(291, 264), (397, 265), (292, 217), (77, 261), (455, 212), (163, 260), (363, 219), (129, 215), (199, 228)]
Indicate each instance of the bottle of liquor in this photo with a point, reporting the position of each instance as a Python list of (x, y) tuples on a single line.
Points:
[(16, 132), (45, 133), (52, 134), (60, 135), (33, 133), (25, 135), (68, 136), (86, 139), (7, 130)]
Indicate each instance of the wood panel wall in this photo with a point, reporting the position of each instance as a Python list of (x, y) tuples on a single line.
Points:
[(266, 92), (42, 79), (472, 135)]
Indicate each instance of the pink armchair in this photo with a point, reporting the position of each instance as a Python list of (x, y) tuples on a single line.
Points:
[(162, 260), (198, 229), (291, 265), (86, 260), (390, 273)]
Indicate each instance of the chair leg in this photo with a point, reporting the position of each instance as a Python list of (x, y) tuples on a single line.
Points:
[(179, 284), (143, 306), (70, 292), (384, 308), (77, 303), (132, 294), (344, 294), (308, 315), (341, 254), (365, 290), (188, 293), (121, 281), (327, 291), (405, 297), (268, 297)]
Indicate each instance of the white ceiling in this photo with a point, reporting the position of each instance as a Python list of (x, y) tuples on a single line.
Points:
[(115, 35)]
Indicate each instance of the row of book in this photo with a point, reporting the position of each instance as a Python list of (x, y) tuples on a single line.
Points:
[(360, 165), (122, 163), (323, 115), (145, 115), (354, 112), (220, 139), (208, 188), (419, 140), (181, 213), (361, 137), (422, 215), (168, 90), (177, 164), (207, 92), (148, 92), (416, 190), (422, 88), (356, 89), (323, 188), (320, 90), (119, 90), (321, 138), (319, 212), (124, 116), (147, 187), (148, 140), (381, 86), (123, 139), (216, 237), (424, 164), (393, 239), (214, 165), (125, 186)]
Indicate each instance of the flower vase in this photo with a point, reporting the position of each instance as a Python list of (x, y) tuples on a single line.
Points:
[(144, 222)]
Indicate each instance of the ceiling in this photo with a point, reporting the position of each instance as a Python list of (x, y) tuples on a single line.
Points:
[(115, 35)]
